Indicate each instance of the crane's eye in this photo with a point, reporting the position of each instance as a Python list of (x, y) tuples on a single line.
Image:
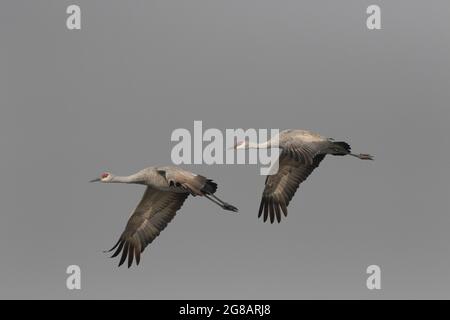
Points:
[(105, 175)]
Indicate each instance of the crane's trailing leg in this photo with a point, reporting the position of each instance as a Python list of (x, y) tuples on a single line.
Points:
[(220, 203), (362, 156), (208, 189), (341, 148), (225, 205)]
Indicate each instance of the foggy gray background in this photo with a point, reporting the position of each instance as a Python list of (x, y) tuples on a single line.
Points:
[(107, 97)]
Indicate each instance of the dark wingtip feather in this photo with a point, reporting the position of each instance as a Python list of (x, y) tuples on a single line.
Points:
[(117, 243), (261, 207), (266, 211), (284, 208), (137, 252), (118, 249), (124, 254), (278, 213), (271, 212), (130, 255)]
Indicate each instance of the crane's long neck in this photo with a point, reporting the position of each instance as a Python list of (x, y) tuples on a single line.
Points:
[(134, 178), (263, 145)]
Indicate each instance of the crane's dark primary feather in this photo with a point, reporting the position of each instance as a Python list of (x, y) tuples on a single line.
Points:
[(281, 187)]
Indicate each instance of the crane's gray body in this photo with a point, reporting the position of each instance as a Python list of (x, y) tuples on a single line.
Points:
[(167, 189), (303, 138), (162, 178), (301, 152)]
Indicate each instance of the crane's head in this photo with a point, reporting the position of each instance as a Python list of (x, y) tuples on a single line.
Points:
[(104, 177)]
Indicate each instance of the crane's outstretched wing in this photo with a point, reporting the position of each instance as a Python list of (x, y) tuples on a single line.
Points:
[(303, 152), (156, 209), (281, 187)]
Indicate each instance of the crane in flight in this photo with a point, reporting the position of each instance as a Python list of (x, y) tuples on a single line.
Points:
[(301, 151), (167, 189)]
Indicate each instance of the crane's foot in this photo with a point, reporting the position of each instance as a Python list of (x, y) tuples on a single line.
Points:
[(229, 207), (365, 156)]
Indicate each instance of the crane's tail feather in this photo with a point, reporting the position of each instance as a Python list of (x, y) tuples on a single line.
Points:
[(340, 148), (210, 187)]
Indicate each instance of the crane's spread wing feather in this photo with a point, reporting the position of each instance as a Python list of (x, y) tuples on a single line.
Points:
[(302, 152), (153, 213), (281, 187)]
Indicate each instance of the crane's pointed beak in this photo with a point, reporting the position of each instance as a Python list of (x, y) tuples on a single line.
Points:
[(95, 180)]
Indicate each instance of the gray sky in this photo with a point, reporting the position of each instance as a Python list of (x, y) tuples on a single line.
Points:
[(107, 97)]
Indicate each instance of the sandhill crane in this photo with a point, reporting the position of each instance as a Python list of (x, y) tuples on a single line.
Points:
[(301, 152), (167, 189)]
